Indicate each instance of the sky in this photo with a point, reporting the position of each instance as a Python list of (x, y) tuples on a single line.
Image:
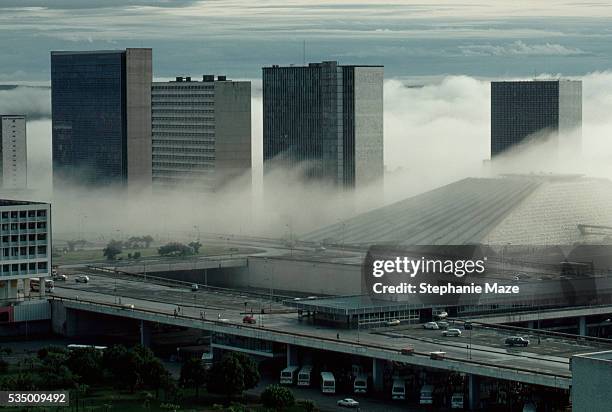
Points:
[(421, 38), (434, 134)]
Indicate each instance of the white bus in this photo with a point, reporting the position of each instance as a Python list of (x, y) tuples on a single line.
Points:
[(426, 395), (74, 346), (304, 375), (328, 383), (35, 285), (360, 385), (288, 376), (398, 391)]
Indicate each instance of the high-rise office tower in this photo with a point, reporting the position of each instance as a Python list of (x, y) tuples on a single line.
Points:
[(201, 133), (327, 118), (14, 168), (101, 110), (548, 108)]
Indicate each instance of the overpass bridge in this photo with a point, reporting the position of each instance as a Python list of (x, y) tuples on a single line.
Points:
[(523, 367)]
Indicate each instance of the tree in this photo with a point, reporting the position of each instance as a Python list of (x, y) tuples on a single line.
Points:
[(193, 374), (137, 255), (148, 239), (277, 397), (122, 365), (87, 364), (174, 249), (195, 247), (251, 372), (226, 376), (233, 374), (112, 249)]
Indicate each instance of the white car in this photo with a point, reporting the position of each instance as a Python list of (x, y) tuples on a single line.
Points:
[(431, 325), (393, 322), (128, 306), (348, 403), (61, 277), (451, 332), (194, 287), (82, 279)]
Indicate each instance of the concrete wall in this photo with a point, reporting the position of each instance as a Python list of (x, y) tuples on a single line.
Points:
[(138, 68), (591, 377), (316, 278), (368, 125), (232, 130)]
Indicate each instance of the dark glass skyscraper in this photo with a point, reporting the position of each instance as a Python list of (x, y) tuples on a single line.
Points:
[(327, 118), (101, 110), (522, 109)]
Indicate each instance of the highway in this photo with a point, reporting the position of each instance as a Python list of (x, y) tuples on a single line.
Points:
[(550, 358)]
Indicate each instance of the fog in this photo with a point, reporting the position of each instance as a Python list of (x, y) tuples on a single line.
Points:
[(435, 134)]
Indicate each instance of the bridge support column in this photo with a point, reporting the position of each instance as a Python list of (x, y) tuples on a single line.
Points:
[(582, 326), (292, 355), (531, 324), (145, 333), (473, 392), (377, 374)]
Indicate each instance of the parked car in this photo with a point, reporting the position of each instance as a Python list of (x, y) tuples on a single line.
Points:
[(393, 322), (517, 341), (59, 277), (431, 325), (348, 403), (249, 319), (194, 287), (443, 324), (127, 306), (82, 279), (468, 325), (451, 332)]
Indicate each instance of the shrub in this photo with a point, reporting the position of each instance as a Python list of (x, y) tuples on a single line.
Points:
[(277, 397)]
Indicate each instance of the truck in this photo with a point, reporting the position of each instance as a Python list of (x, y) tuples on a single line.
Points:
[(288, 376), (426, 397), (328, 382), (304, 375), (35, 285), (360, 384), (398, 391)]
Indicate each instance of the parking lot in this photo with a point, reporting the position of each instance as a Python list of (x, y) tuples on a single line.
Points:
[(493, 338)]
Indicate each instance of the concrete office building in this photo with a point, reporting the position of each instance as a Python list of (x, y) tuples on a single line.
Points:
[(14, 157), (201, 133), (101, 111), (25, 243), (521, 109), (326, 117), (591, 376)]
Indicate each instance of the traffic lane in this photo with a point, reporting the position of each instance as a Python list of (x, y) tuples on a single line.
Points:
[(180, 296), (552, 348), (508, 359)]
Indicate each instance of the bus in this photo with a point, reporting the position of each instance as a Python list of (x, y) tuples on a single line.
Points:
[(304, 376), (328, 383), (398, 391), (74, 346), (360, 385), (426, 397), (288, 376), (35, 285)]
